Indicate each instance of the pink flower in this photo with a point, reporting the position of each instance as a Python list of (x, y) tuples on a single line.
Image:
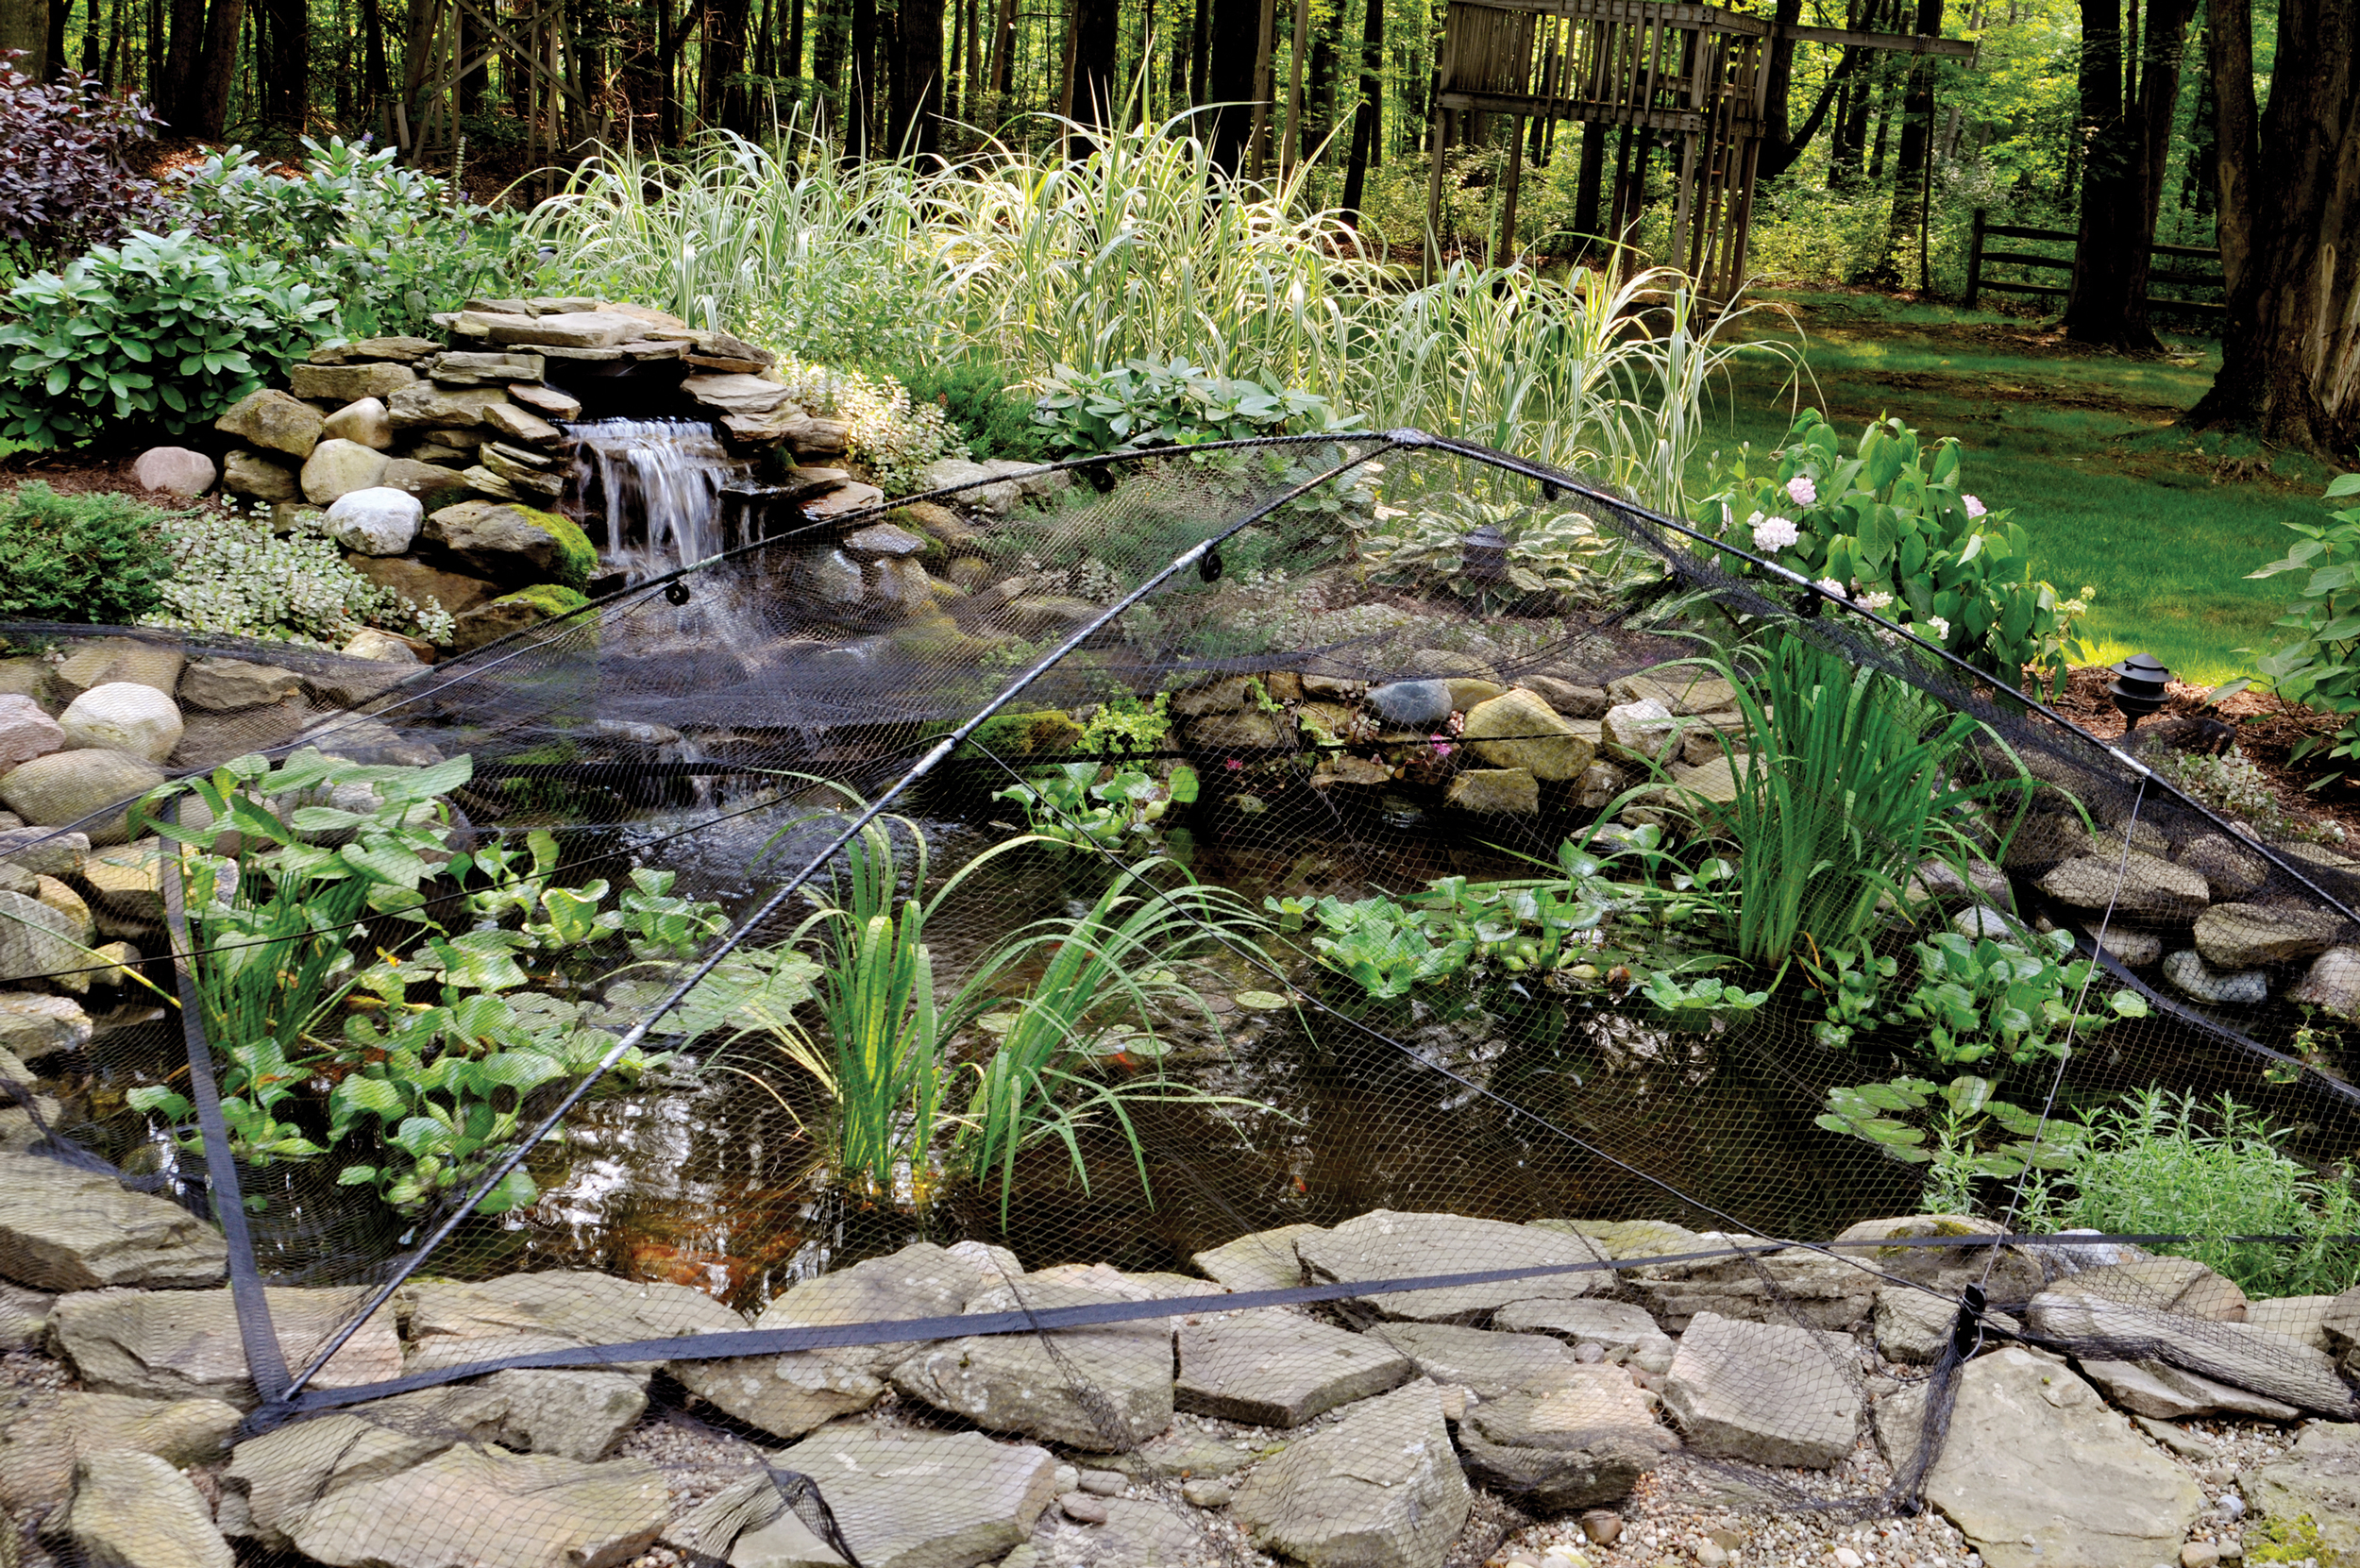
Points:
[(1235, 766), (1801, 491), (1974, 507), (1442, 747)]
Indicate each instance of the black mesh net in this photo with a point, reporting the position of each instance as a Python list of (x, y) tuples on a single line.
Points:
[(1352, 1003)]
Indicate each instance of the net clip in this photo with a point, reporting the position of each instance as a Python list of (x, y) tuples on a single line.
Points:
[(676, 592), (1966, 1331), (1210, 568)]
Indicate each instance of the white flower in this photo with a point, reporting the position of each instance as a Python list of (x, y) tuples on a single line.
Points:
[(1870, 601), (1974, 507), (1774, 533), (1801, 491), (1830, 587), (1937, 629), (1754, 521)]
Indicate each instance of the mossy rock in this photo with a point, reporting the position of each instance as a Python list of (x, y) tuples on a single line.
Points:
[(1023, 735), (513, 612), (577, 560)]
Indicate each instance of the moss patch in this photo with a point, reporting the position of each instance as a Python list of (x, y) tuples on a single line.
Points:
[(1023, 734), (552, 600), (577, 557)]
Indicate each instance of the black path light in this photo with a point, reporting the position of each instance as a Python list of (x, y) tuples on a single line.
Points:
[(2139, 688), (1484, 555)]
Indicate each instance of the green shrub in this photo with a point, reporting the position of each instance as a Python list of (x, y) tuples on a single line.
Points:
[(390, 245), (1154, 402), (161, 329), (996, 420), (236, 578), (2321, 668), (99, 558), (1891, 527)]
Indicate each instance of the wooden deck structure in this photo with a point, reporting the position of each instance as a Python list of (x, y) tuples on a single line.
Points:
[(1688, 76)]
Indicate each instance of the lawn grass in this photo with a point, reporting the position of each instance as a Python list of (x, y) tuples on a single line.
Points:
[(2082, 446)]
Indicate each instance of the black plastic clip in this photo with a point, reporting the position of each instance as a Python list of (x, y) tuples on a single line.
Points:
[(676, 590), (1966, 1331), (1211, 567)]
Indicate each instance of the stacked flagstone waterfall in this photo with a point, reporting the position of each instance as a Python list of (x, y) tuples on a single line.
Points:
[(450, 469)]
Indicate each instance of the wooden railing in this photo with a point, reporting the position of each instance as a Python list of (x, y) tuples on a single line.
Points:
[(1978, 256)]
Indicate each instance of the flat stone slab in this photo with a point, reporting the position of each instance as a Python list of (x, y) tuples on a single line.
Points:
[(1791, 1286), (2160, 1390), (2036, 1471), (1379, 1489), (1573, 1447), (1264, 1260), (1769, 1393), (1106, 1389), (450, 1319), (981, 1497), (1136, 1533), (1486, 1363), (1382, 1244), (2319, 1480), (39, 1448), (1274, 1369), (792, 1394), (68, 1229), (1619, 1328), (184, 1344), (2276, 1366), (136, 1510)]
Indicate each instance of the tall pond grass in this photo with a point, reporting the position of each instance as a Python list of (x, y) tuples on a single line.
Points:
[(1143, 247)]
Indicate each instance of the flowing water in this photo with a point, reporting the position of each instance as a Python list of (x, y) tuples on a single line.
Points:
[(657, 484)]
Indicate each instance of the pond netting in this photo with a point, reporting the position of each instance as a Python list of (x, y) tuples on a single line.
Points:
[(1315, 1000)]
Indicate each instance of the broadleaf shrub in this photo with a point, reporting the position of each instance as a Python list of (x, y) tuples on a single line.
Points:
[(1142, 403), (161, 329), (63, 182), (2321, 668), (1889, 526), (100, 558)]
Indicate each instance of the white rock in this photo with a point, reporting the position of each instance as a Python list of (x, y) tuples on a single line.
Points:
[(122, 716), (375, 521), (364, 422), (380, 647), (26, 730), (176, 470)]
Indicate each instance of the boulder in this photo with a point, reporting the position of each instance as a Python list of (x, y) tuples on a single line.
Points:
[(1794, 1285), (24, 1320), (425, 481), (1260, 1260), (512, 545), (1485, 1362), (2131, 882), (1569, 698), (257, 478), (1983, 882), (735, 394), (1712, 782), (407, 349), (518, 372), (455, 1323), (1518, 729), (63, 1228), (791, 1394), (39, 1448), (2188, 971), (2181, 1286), (1379, 1489), (225, 685), (884, 539), (2014, 1276), (1108, 1389), (1412, 704), (1494, 792), (379, 520), (274, 421), (1130, 1533), (1278, 1369), (1978, 922), (1573, 1447), (1621, 1331), (2318, 1480), (1912, 1325), (978, 487), (2245, 936), (364, 422), (1382, 1244), (38, 941), (2303, 1318), (33, 1026), (1641, 733), (45, 851), (81, 927), (184, 1344), (468, 1504), (2332, 983), (1246, 731), (337, 468), (173, 470), (982, 1497), (424, 405), (26, 731), (2276, 1366), (135, 1510), (511, 613), (348, 384), (1767, 1393), (123, 716), (105, 660), (423, 584), (2230, 868), (2036, 1471), (568, 330), (1681, 691), (2132, 950), (1620, 1238)]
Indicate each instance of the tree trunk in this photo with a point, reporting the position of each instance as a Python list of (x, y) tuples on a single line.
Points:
[(287, 74), (206, 113), (1368, 120), (1229, 78), (1096, 94), (859, 122), (1591, 175), (54, 61), (1911, 166), (914, 127), (1777, 153), (377, 82), (725, 98), (2129, 147), (25, 27), (2290, 228)]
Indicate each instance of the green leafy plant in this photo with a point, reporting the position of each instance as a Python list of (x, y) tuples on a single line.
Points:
[(1968, 1135), (97, 557), (1890, 526), (2320, 668), (1694, 1003), (157, 330), (1168, 402), (1124, 726), (1848, 779), (236, 575), (1071, 804), (1549, 551), (1984, 1001), (996, 418), (1385, 946)]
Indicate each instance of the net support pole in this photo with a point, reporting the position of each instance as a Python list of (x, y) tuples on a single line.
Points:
[(638, 1032)]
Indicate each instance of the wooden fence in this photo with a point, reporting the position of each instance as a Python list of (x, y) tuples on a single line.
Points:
[(1978, 256)]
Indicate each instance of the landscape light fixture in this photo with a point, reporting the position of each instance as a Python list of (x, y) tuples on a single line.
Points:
[(1484, 555), (2139, 688)]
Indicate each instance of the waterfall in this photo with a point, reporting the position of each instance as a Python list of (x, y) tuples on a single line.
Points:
[(658, 483)]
